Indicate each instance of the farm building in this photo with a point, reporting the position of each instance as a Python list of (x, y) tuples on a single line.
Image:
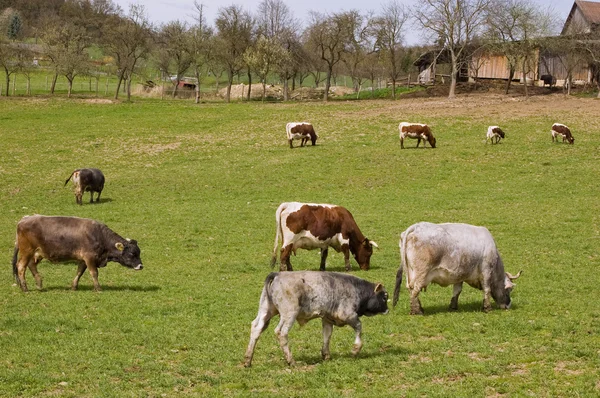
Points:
[(550, 60)]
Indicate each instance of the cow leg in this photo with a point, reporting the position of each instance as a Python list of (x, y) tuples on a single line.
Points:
[(303, 141), (418, 142), (415, 303), (346, 252), (98, 197), (487, 293), (401, 143), (33, 268), (455, 293), (93, 270), (324, 253), (327, 330), (357, 326), (259, 324), (79, 198), (80, 270), (282, 330), (291, 145), (284, 259), (21, 268)]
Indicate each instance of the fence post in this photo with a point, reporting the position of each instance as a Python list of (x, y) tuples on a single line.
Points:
[(14, 85), (408, 83), (106, 89)]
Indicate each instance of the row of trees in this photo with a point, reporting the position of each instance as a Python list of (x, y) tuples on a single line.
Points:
[(272, 42)]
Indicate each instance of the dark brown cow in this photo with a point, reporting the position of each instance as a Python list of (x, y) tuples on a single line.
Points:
[(563, 131), (494, 133), (418, 131), (300, 131), (59, 239), (319, 226), (87, 180)]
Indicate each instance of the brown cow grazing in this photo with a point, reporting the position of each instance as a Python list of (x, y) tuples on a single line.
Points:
[(563, 131), (494, 132), (87, 180), (338, 299), (319, 226), (59, 239), (418, 131), (300, 131)]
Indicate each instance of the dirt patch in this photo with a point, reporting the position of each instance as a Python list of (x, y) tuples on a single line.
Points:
[(564, 367), (98, 101), (154, 149)]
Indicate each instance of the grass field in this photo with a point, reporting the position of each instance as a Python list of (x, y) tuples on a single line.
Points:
[(198, 186)]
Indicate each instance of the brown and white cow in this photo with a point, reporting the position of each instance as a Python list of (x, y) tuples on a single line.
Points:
[(416, 130), (450, 254), (563, 131), (319, 226), (300, 131), (87, 180), (494, 132), (338, 299), (60, 239)]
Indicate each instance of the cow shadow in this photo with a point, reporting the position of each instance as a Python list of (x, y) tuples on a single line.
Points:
[(374, 353), (473, 306), (107, 288), (343, 269)]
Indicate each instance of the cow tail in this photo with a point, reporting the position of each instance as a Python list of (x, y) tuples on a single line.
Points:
[(70, 177), (278, 234), (14, 262), (403, 261), (267, 288)]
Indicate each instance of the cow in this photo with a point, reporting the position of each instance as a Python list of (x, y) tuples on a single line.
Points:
[(418, 131), (494, 132), (300, 131), (87, 180), (338, 299), (548, 80), (562, 131), (450, 254), (60, 239), (319, 226)]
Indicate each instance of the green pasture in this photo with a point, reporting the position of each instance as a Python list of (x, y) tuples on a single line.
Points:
[(198, 186)]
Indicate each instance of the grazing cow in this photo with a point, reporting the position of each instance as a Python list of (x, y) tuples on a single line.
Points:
[(338, 299), (548, 80), (59, 239), (450, 254), (319, 226), (300, 131), (494, 132), (418, 131), (563, 131), (87, 180)]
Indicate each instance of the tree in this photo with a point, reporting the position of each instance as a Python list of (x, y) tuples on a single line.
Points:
[(454, 23), (200, 46), (173, 47), (8, 60), (128, 39), (234, 32), (266, 55), (328, 36), (15, 25), (357, 48), (388, 30)]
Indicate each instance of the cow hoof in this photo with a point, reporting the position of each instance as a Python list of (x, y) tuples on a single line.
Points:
[(487, 309), (247, 364), (291, 363), (417, 312), (326, 357)]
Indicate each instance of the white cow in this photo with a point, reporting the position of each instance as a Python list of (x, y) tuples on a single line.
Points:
[(300, 131), (450, 254), (494, 132)]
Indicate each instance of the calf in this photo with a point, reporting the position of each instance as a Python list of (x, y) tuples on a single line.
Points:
[(87, 180), (319, 226), (418, 131), (300, 131), (494, 132), (338, 299), (563, 131), (59, 239), (450, 254)]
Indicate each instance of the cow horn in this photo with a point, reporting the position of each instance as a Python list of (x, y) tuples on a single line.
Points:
[(374, 244), (119, 246), (378, 288), (513, 277)]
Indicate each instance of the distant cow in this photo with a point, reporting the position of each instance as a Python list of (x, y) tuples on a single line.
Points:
[(300, 131), (548, 80), (450, 254), (494, 132), (319, 226), (338, 299), (60, 239), (87, 180), (562, 131), (418, 131)]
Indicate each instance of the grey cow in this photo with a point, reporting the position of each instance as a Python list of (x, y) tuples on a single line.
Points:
[(450, 254), (338, 299), (87, 180)]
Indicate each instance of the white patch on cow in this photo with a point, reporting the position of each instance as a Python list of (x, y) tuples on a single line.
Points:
[(290, 126)]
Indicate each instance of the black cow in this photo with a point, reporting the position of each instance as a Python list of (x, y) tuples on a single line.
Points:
[(59, 239)]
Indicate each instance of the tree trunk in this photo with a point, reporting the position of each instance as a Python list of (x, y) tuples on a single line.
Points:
[(394, 88), (53, 85), (119, 82), (264, 83), (250, 85), (7, 82), (293, 82), (327, 85), (197, 76), (70, 87), (452, 92), (229, 83), (525, 78), (569, 83), (129, 89), (511, 74), (175, 88)]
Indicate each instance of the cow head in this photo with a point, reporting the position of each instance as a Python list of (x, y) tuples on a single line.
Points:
[(129, 254), (377, 303), (432, 141), (570, 139), (502, 293), (364, 252)]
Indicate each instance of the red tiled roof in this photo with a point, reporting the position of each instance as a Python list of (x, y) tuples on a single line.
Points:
[(590, 10)]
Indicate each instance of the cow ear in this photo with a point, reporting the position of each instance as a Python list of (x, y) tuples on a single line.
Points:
[(119, 246), (378, 288)]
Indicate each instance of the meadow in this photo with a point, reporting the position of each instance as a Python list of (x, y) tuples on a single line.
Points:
[(197, 186)]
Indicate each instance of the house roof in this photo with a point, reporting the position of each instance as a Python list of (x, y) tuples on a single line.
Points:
[(590, 11)]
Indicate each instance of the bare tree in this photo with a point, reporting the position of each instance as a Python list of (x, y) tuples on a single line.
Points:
[(265, 56), (200, 45), (234, 32), (357, 48), (454, 23), (174, 56), (8, 60), (388, 29)]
